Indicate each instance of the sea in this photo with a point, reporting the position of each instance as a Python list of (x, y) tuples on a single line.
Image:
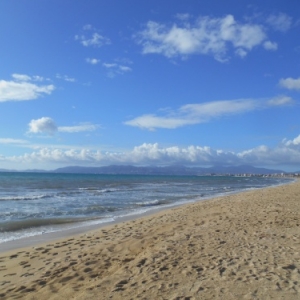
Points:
[(33, 204)]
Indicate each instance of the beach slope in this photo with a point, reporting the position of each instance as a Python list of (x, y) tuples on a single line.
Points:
[(242, 246)]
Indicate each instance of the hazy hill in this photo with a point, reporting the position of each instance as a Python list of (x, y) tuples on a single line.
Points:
[(169, 170)]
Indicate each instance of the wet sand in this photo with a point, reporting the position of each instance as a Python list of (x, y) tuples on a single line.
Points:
[(242, 246)]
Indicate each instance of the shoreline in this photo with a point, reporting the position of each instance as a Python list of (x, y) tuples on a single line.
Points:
[(86, 228), (243, 245), (40, 239)]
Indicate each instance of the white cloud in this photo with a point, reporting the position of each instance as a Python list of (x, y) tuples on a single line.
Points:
[(42, 125), (48, 126), (294, 142), (21, 77), (52, 155), (213, 36), (124, 68), (38, 78), (24, 77), (219, 108), (114, 69), (78, 128), (281, 22), (263, 155), (65, 78), (286, 153), (190, 114), (143, 154), (92, 61), (241, 52), (110, 65), (93, 39), (183, 17), (88, 27), (185, 155), (280, 100), (152, 121), (96, 40), (290, 83), (9, 141), (268, 45), (21, 89)]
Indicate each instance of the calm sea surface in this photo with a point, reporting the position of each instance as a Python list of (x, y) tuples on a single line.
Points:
[(37, 203)]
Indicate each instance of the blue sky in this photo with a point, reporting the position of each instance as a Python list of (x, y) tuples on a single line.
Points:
[(192, 82)]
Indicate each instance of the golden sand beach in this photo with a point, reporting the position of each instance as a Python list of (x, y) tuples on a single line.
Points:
[(242, 246)]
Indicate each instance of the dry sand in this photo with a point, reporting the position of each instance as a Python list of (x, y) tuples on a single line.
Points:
[(243, 246)]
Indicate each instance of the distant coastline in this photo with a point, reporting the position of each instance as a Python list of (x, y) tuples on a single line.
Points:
[(242, 170)]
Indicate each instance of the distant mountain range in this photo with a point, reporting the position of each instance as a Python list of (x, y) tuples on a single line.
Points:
[(155, 170), (168, 170)]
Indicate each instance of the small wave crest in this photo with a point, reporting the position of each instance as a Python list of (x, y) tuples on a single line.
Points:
[(153, 203), (227, 188), (24, 198), (93, 189)]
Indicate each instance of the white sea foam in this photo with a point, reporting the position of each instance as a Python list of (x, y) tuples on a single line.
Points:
[(25, 197)]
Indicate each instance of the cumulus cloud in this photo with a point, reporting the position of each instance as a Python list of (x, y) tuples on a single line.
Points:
[(190, 114), (294, 142), (286, 153), (283, 154), (143, 154), (91, 38), (42, 125), (280, 22), (23, 87), (290, 83), (182, 155), (213, 36), (48, 126)]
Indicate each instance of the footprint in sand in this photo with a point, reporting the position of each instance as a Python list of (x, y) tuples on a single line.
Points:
[(11, 274), (120, 285)]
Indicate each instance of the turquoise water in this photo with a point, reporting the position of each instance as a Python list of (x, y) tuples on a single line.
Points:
[(36, 203)]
